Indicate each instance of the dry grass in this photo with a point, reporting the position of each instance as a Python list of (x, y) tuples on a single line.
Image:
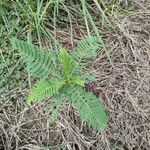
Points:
[(125, 90)]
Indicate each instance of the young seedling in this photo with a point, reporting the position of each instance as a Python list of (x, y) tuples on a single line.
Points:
[(62, 78)]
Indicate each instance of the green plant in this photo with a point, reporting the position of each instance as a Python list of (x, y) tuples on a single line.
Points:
[(67, 79)]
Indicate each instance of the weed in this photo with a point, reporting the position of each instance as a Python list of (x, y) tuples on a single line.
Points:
[(66, 79)]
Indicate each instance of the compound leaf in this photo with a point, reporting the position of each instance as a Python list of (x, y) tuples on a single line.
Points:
[(77, 80), (37, 61), (86, 48), (89, 107), (44, 89), (66, 61)]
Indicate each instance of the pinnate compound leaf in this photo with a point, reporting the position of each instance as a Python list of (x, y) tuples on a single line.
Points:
[(66, 61), (44, 89), (77, 80), (37, 60), (89, 107), (86, 48)]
